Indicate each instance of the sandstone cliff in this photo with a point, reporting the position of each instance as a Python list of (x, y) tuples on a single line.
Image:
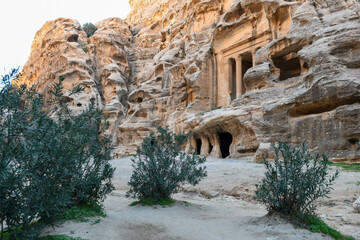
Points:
[(239, 73)]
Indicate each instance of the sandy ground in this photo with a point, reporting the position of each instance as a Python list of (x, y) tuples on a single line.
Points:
[(220, 207)]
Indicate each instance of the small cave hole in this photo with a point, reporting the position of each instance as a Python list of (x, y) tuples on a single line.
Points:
[(163, 37), (73, 38), (159, 69), (225, 141), (305, 67), (198, 145), (354, 142), (234, 15), (141, 113), (210, 146), (289, 65), (248, 151)]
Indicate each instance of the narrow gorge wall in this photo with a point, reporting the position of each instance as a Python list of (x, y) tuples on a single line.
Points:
[(239, 74)]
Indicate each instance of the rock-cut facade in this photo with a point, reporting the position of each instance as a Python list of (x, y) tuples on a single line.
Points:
[(239, 74)]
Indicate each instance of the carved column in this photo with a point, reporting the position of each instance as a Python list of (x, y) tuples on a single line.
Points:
[(216, 152), (216, 77), (253, 53), (229, 74), (204, 146), (239, 79)]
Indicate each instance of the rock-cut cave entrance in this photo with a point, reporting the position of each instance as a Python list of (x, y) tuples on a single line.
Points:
[(225, 141), (288, 62), (210, 146), (198, 146)]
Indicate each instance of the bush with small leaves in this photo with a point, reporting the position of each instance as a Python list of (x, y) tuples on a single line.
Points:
[(50, 160), (89, 28), (294, 181), (160, 167)]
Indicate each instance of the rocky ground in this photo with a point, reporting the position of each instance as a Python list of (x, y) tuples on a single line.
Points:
[(220, 207)]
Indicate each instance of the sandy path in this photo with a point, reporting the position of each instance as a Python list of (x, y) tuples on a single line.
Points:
[(220, 207)]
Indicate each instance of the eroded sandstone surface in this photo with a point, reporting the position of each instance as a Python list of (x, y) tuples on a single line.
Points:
[(239, 73)]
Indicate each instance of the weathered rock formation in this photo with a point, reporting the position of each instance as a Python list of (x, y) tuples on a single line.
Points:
[(239, 73)]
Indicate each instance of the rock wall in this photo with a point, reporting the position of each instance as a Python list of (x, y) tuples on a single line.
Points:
[(239, 73)]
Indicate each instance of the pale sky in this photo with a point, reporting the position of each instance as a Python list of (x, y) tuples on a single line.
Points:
[(21, 19)]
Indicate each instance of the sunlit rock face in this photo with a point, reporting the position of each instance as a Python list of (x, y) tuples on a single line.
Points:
[(238, 74)]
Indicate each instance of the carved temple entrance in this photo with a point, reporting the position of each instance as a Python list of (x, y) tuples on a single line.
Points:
[(237, 67), (234, 49)]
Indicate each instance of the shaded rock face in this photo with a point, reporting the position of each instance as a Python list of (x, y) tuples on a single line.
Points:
[(239, 74)]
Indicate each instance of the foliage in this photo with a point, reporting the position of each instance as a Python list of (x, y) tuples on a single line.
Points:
[(59, 237), (151, 202), (50, 160), (350, 167), (89, 28), (123, 97), (83, 47), (315, 224), (48, 237), (183, 53), (294, 181), (186, 203), (82, 212), (160, 167)]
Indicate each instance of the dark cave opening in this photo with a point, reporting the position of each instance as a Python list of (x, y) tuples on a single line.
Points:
[(73, 38), (225, 141), (210, 146), (289, 66), (354, 142), (198, 145)]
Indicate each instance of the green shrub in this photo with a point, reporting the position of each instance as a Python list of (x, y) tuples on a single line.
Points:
[(315, 224), (151, 202), (89, 28), (294, 181), (160, 167), (47, 164), (59, 237), (83, 47), (81, 213), (349, 167)]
